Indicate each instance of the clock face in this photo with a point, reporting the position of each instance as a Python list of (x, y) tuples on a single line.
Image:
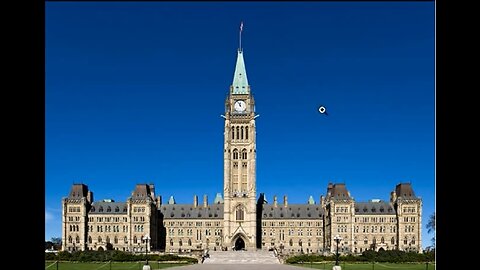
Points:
[(240, 106)]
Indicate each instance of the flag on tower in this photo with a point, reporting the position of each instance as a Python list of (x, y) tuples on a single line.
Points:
[(241, 26)]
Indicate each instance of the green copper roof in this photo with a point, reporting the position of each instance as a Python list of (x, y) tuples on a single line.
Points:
[(240, 82), (171, 200), (218, 199), (311, 200)]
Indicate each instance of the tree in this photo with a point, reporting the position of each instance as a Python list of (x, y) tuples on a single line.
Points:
[(57, 242), (431, 227)]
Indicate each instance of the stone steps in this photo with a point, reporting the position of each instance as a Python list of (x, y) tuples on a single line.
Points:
[(241, 257)]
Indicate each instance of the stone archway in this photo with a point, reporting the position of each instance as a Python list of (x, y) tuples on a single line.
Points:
[(239, 244)]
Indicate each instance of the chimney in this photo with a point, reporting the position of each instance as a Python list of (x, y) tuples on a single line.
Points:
[(195, 201), (152, 190), (159, 201), (393, 196), (275, 201), (285, 202), (90, 197), (205, 201)]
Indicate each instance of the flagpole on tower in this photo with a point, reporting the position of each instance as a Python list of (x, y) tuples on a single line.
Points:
[(240, 36)]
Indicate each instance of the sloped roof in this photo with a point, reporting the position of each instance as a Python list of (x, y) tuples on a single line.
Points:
[(374, 208), (78, 191), (108, 208), (143, 191), (405, 191), (338, 191), (187, 211), (292, 211)]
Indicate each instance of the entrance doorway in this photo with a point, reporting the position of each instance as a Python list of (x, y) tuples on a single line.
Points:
[(239, 244)]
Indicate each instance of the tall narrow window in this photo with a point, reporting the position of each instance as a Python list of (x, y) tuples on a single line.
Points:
[(246, 133), (238, 132), (241, 133), (393, 241), (240, 213), (99, 239), (233, 133), (244, 153), (89, 239), (115, 240)]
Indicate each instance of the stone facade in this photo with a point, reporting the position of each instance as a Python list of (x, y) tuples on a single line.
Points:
[(239, 220)]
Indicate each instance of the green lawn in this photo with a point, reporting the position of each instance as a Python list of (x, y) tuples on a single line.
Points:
[(51, 265), (370, 266)]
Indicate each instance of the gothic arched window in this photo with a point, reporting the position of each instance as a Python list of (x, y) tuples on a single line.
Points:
[(393, 240), (238, 132), (108, 239), (189, 242), (115, 240), (233, 133), (244, 153), (89, 239), (239, 213), (77, 239), (171, 242), (235, 154), (382, 240), (135, 239), (99, 239), (241, 133), (291, 242), (246, 133), (70, 239)]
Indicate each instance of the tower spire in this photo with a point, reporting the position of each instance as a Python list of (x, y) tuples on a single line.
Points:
[(240, 82), (240, 37)]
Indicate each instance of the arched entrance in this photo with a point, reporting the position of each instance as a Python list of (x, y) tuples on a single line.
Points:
[(239, 244)]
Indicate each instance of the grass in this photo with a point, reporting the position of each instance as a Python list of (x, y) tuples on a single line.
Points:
[(51, 265), (371, 266)]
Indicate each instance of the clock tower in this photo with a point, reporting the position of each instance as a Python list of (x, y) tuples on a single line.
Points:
[(239, 162)]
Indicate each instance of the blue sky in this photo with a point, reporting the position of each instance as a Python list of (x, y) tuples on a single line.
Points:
[(134, 93)]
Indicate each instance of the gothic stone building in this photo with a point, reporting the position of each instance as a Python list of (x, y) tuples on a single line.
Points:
[(239, 219)]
